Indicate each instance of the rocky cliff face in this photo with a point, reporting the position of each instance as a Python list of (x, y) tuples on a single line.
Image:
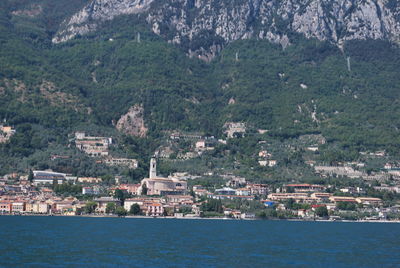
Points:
[(132, 123), (204, 26)]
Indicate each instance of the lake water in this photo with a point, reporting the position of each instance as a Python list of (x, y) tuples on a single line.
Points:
[(127, 242)]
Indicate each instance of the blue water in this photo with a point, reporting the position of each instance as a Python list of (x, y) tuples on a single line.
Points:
[(119, 242)]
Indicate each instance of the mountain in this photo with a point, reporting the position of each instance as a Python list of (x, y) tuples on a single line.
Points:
[(138, 70), (204, 27)]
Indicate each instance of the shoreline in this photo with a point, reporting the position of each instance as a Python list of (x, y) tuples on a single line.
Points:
[(201, 218)]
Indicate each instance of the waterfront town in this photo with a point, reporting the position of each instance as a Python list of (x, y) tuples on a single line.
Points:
[(44, 193)]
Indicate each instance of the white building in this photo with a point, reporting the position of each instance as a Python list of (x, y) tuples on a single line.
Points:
[(41, 177)]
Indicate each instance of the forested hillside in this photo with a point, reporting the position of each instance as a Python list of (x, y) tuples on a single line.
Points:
[(48, 91)]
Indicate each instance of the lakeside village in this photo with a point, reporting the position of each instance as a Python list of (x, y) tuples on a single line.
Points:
[(160, 197), (42, 192)]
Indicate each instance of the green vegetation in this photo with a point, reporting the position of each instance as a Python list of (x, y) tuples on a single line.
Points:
[(120, 211), (90, 207), (346, 206), (49, 91), (212, 205), (111, 208), (135, 209), (321, 211), (67, 189)]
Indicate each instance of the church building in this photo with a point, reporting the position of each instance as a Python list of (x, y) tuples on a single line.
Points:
[(156, 185)]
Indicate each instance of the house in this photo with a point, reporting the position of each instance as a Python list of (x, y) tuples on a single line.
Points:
[(18, 207), (103, 201), (247, 216), (90, 190), (131, 201), (61, 206), (312, 148), (126, 162), (89, 180), (5, 207), (353, 190), (225, 191), (298, 197), (369, 201), (242, 191), (263, 163), (200, 192), (234, 181), (40, 208), (264, 154), (234, 127), (179, 199), (130, 188), (257, 189), (205, 144), (155, 210)]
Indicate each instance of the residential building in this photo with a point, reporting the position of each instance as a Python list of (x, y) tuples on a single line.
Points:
[(89, 180), (90, 190), (130, 188), (336, 199), (225, 191), (93, 146), (130, 163), (321, 197), (155, 210), (225, 196), (234, 127), (42, 177), (18, 207), (257, 189), (305, 188), (103, 201), (179, 199), (242, 191), (5, 207), (369, 201)]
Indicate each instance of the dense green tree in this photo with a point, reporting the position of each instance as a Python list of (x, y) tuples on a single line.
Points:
[(321, 211), (90, 207), (144, 189), (110, 208), (135, 209), (346, 205), (120, 211)]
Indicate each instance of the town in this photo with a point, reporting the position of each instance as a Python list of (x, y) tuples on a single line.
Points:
[(44, 193)]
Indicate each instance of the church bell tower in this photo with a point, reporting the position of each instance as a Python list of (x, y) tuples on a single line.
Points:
[(153, 168)]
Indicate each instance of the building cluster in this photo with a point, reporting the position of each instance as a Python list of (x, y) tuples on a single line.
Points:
[(170, 196), (92, 146), (26, 198)]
